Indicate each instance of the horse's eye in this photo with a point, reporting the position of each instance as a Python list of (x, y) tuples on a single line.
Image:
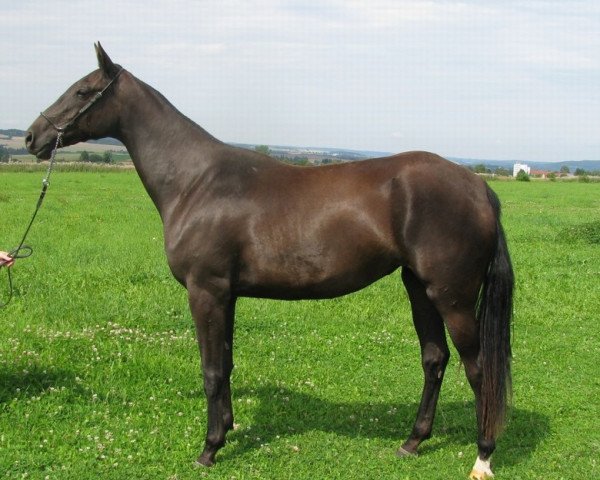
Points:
[(83, 92)]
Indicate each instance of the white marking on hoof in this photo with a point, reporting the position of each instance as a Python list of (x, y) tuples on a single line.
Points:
[(481, 470)]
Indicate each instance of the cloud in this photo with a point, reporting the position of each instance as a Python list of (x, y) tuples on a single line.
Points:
[(442, 75)]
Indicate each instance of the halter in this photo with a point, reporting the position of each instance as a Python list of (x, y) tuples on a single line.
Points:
[(83, 109)]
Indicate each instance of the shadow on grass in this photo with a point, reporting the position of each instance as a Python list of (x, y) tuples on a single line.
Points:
[(33, 382), (284, 412)]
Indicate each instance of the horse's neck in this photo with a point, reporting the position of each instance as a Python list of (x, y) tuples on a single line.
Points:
[(160, 141)]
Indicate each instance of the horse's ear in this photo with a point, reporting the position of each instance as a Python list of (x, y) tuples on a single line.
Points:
[(104, 61)]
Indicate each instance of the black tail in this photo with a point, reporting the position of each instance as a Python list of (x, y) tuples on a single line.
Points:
[(494, 313)]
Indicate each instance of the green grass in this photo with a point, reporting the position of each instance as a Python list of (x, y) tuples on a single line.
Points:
[(63, 167), (70, 156), (100, 377)]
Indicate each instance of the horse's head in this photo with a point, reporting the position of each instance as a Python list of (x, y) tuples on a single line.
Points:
[(87, 110)]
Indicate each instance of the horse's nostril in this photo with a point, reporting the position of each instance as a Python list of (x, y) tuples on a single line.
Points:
[(29, 139)]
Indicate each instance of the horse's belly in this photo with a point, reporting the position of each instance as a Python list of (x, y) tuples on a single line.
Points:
[(298, 276)]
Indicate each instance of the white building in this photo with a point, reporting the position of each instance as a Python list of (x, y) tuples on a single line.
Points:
[(521, 166)]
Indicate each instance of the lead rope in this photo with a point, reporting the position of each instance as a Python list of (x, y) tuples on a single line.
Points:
[(24, 251)]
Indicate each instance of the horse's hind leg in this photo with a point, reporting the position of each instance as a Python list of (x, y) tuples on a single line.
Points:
[(434, 354), (463, 328)]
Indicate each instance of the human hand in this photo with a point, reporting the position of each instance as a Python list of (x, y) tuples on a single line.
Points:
[(6, 260)]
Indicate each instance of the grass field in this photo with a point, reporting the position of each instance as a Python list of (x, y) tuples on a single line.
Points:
[(70, 157), (100, 377)]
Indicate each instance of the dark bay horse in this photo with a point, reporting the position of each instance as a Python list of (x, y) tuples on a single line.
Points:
[(238, 223)]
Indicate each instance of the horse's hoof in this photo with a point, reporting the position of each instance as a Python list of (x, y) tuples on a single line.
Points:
[(401, 452), (204, 461), (481, 470), (479, 475)]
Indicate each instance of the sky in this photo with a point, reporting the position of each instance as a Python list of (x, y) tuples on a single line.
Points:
[(509, 80)]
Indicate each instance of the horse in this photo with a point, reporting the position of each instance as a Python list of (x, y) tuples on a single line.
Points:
[(238, 223)]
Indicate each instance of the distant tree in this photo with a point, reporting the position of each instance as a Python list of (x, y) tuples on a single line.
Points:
[(264, 149), (95, 158), (580, 171), (17, 151), (300, 161), (522, 176), (552, 177), (481, 168), (502, 172), (84, 156), (107, 157), (564, 169), (13, 132), (4, 155)]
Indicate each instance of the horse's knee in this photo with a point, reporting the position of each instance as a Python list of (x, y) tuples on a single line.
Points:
[(213, 384)]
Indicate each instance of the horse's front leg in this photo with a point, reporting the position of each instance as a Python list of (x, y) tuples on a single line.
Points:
[(213, 315)]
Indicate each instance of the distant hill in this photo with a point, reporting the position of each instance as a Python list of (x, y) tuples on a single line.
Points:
[(344, 154), (14, 132), (341, 154), (588, 165), (347, 154), (107, 141)]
